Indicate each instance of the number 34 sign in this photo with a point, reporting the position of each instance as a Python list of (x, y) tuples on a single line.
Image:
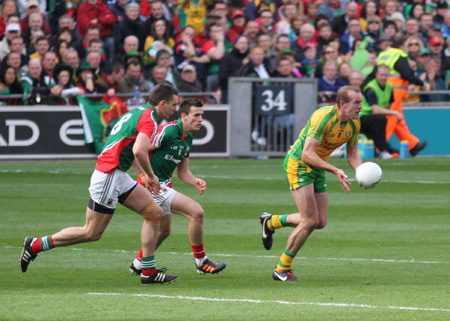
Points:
[(273, 100)]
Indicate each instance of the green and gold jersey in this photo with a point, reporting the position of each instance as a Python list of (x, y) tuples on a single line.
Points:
[(325, 126), (193, 13)]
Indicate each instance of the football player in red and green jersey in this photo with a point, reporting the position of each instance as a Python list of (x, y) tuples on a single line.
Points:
[(126, 146), (305, 165), (169, 151)]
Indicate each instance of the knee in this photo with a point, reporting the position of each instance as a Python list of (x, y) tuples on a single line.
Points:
[(92, 236), (197, 214), (152, 212), (321, 225), (311, 223), (95, 237)]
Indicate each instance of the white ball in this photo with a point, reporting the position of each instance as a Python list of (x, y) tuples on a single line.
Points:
[(369, 175)]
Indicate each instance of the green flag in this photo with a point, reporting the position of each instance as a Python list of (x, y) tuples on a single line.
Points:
[(99, 117)]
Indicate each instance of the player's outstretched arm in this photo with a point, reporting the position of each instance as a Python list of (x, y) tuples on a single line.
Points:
[(353, 157), (186, 176)]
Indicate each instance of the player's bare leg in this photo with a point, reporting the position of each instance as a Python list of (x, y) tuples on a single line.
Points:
[(92, 230), (322, 207), (186, 206), (141, 202), (309, 205), (164, 229), (305, 200), (183, 205)]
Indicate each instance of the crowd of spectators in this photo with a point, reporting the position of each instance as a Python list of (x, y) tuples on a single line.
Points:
[(58, 48)]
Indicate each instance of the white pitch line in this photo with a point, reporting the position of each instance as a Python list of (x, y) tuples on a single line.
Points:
[(258, 256), (282, 178), (329, 304), (58, 171)]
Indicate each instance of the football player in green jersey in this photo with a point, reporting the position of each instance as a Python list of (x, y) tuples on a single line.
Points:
[(126, 146), (305, 165), (170, 150)]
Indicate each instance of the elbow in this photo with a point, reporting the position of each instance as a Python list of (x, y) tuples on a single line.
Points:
[(137, 152), (305, 159)]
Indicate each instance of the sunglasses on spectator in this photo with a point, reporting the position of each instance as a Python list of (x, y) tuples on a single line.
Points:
[(374, 22), (413, 44), (329, 52)]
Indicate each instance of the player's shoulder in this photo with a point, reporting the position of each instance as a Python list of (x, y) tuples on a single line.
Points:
[(169, 126), (168, 129), (325, 109), (324, 113)]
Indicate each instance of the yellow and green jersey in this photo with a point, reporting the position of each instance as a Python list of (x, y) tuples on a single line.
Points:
[(325, 126), (193, 13)]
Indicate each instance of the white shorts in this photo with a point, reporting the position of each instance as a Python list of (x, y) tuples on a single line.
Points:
[(106, 189), (164, 198)]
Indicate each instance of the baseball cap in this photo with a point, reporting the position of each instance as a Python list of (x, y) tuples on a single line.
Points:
[(435, 26), (237, 13), (32, 3), (424, 51), (436, 41), (188, 67), (384, 37), (442, 4), (13, 27), (310, 44), (287, 52)]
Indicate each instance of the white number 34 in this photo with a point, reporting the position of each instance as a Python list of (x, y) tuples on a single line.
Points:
[(279, 102)]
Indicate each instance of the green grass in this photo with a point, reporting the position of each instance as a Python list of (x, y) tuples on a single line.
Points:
[(384, 255)]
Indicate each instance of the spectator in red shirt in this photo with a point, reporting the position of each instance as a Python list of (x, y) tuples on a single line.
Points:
[(238, 25), (113, 75), (32, 7), (8, 9), (96, 13)]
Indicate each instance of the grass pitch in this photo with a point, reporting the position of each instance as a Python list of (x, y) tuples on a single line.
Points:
[(384, 255)]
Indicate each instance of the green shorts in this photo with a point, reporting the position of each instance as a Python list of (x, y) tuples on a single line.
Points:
[(297, 176)]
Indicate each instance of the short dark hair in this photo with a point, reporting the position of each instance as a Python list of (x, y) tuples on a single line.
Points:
[(186, 105), (114, 67), (38, 40), (13, 15), (133, 63), (390, 23), (17, 37), (92, 41), (162, 92), (398, 40), (284, 58), (92, 28)]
